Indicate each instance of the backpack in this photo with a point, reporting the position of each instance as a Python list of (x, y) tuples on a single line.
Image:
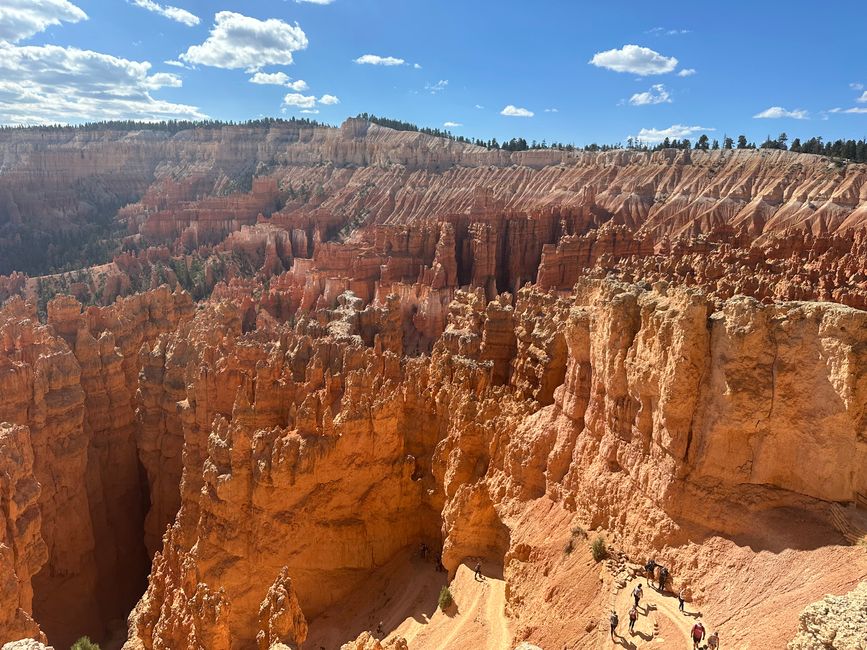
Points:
[(614, 620), (633, 614)]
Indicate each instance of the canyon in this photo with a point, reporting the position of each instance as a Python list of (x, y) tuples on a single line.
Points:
[(320, 364)]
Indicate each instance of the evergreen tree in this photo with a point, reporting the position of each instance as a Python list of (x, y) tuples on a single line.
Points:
[(742, 142)]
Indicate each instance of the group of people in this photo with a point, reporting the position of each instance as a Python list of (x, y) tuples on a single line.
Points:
[(698, 632)]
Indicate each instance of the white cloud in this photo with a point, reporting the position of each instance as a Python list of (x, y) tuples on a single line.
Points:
[(374, 59), (479, 106), (857, 109), (552, 110), (515, 111), (307, 102), (163, 80), (311, 111), (52, 84), (278, 79), (863, 98), (176, 64), (316, 2), (635, 59), (172, 13), (656, 95), (20, 19), (686, 72), (856, 86), (299, 101), (776, 112), (662, 31), (270, 78), (675, 131), (439, 86), (416, 66), (451, 124), (238, 41)]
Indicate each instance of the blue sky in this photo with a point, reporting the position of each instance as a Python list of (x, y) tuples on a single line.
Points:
[(556, 70)]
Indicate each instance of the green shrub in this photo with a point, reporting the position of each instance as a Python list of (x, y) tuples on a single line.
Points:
[(598, 548), (84, 643), (445, 599)]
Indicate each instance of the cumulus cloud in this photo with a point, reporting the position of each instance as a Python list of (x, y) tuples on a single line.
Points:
[(176, 64), (776, 112), (656, 95), (299, 101), (634, 59), (863, 98), (686, 72), (675, 131), (172, 13), (53, 84), (417, 66), (451, 124), (270, 78), (374, 59), (439, 86), (307, 103), (552, 110), (238, 41), (20, 19), (515, 111)]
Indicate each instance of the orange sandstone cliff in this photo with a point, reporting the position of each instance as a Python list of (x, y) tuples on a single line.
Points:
[(320, 349)]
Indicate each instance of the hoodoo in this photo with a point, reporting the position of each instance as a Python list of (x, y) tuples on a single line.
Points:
[(366, 388)]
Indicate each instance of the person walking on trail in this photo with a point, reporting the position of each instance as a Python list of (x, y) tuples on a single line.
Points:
[(650, 567), (637, 593), (613, 620), (680, 600), (663, 578), (478, 575), (633, 616), (697, 634), (713, 641)]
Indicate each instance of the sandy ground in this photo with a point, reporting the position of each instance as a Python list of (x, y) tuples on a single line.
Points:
[(403, 597)]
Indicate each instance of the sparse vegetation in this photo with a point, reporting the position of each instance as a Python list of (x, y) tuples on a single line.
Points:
[(445, 599), (84, 643), (577, 532), (598, 548)]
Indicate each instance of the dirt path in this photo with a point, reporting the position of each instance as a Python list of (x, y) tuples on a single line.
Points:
[(478, 621), (659, 625)]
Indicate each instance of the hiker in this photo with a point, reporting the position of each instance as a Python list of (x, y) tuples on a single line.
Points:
[(478, 575), (637, 593), (680, 600), (440, 567), (633, 616), (422, 551), (379, 628), (663, 578), (650, 567), (713, 641), (613, 620), (697, 634)]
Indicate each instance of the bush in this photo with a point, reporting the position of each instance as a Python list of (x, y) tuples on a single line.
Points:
[(84, 643), (570, 546), (445, 599), (598, 548)]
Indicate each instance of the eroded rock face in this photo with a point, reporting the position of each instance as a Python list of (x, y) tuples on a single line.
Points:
[(403, 340), (601, 385), (22, 550), (834, 622)]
